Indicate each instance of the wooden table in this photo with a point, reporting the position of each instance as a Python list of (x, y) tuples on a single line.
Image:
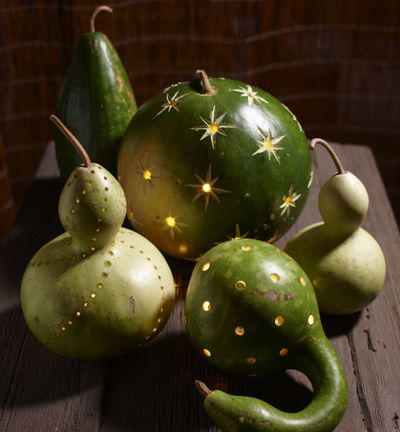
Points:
[(152, 389)]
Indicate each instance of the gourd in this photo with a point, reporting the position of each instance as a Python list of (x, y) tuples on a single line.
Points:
[(344, 262), (96, 100), (213, 159), (98, 290), (250, 309)]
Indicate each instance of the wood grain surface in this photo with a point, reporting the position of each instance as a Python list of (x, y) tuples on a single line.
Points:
[(152, 389)]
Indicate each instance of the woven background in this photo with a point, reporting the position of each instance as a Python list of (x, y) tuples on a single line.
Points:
[(335, 63)]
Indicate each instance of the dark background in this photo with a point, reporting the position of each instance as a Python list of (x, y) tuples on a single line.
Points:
[(334, 63)]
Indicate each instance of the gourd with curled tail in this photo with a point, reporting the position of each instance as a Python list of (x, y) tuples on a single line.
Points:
[(251, 309)]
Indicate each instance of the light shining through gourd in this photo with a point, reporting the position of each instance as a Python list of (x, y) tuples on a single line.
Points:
[(251, 309), (344, 262), (98, 290), (213, 159)]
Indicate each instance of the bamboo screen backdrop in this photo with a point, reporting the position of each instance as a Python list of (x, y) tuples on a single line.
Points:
[(335, 63)]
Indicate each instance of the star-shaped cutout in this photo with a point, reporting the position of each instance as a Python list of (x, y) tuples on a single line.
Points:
[(269, 144), (172, 224), (147, 173), (207, 189), (171, 103), (289, 200), (250, 94), (237, 235), (213, 127)]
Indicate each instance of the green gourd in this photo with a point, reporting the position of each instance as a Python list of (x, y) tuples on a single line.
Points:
[(213, 159), (344, 262), (250, 309), (97, 290), (96, 99)]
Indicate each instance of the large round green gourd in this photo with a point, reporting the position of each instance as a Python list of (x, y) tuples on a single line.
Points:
[(250, 309), (96, 99), (205, 161), (97, 290)]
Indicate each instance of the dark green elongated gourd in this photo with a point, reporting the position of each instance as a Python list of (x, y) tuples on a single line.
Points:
[(344, 262), (213, 159), (96, 99), (97, 290), (251, 309)]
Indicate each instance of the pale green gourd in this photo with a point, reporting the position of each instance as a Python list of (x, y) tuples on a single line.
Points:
[(97, 290), (344, 262)]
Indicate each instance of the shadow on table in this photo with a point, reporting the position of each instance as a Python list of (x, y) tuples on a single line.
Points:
[(153, 390)]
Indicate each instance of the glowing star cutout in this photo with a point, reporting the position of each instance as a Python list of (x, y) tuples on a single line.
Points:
[(288, 201), (171, 223), (213, 127), (207, 189), (250, 94), (171, 103), (147, 173), (268, 144)]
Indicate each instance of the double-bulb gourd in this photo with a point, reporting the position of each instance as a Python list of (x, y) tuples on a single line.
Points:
[(344, 262), (98, 290), (250, 309)]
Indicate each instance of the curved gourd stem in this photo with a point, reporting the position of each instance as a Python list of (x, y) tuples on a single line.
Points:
[(245, 414), (72, 139), (202, 74), (332, 153), (96, 11)]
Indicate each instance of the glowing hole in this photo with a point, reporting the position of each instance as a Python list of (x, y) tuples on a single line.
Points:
[(78, 313), (92, 248), (279, 320), (206, 187), (94, 239), (93, 295), (206, 352), (283, 352), (63, 328), (206, 306), (275, 277), (311, 319), (147, 175), (240, 285), (250, 360), (86, 304), (159, 320), (98, 230), (206, 266), (73, 211), (302, 281), (69, 322), (154, 329), (77, 201), (83, 255), (99, 285), (170, 221), (246, 248), (83, 192), (239, 331)]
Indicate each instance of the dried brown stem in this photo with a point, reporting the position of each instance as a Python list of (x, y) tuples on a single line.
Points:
[(94, 14), (205, 81), (202, 388), (72, 139)]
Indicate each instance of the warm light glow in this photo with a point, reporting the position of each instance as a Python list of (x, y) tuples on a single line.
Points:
[(147, 175), (246, 248), (206, 352), (170, 221), (206, 187), (239, 331), (279, 320), (311, 320), (206, 266), (213, 128), (283, 352), (275, 277), (267, 143), (206, 306), (240, 285), (302, 281), (250, 360), (93, 295)]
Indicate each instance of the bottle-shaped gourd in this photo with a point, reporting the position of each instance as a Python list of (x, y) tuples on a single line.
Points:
[(344, 262), (97, 290), (251, 309), (96, 99)]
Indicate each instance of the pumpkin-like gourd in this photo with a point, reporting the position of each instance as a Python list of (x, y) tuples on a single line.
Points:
[(213, 159), (96, 99), (97, 290), (251, 309), (344, 262)]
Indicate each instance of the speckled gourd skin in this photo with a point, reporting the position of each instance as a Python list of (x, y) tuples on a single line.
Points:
[(96, 102), (251, 309), (344, 262), (166, 139), (98, 290)]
